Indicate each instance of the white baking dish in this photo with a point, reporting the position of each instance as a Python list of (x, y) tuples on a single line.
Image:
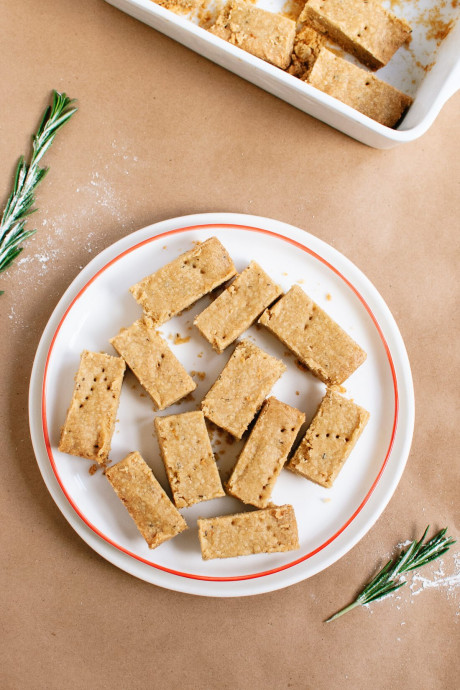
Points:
[(430, 90)]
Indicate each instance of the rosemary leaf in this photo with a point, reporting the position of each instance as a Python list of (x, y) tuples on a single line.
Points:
[(388, 579), (27, 176)]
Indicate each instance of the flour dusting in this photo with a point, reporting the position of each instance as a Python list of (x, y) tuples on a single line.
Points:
[(441, 575), (448, 582), (96, 208)]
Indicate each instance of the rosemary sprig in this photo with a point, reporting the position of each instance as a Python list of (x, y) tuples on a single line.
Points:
[(19, 205), (387, 580)]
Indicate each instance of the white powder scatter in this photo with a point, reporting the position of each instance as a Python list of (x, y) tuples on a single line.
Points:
[(43, 258), (88, 246), (442, 575), (448, 582), (99, 207), (98, 193), (403, 544)]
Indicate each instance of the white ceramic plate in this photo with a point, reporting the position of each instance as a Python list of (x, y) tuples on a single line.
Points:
[(331, 521)]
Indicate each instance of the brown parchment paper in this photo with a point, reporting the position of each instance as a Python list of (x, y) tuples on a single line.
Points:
[(161, 132)]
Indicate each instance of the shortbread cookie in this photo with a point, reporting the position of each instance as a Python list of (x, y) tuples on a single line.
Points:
[(239, 392), (155, 516), (313, 336), (152, 362), (266, 450), (270, 530), (330, 438), (182, 282), (188, 458), (90, 420)]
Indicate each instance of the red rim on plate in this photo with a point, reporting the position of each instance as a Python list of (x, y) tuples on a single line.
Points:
[(156, 565)]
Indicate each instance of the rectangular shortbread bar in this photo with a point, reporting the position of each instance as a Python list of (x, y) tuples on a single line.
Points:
[(266, 35), (155, 516), (239, 391), (329, 440), (265, 453), (313, 336), (90, 420), (270, 530), (187, 455), (358, 88), (182, 282), (237, 307), (152, 362), (361, 27)]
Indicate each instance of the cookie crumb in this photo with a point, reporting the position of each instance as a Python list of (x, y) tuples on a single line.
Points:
[(200, 374), (179, 340)]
